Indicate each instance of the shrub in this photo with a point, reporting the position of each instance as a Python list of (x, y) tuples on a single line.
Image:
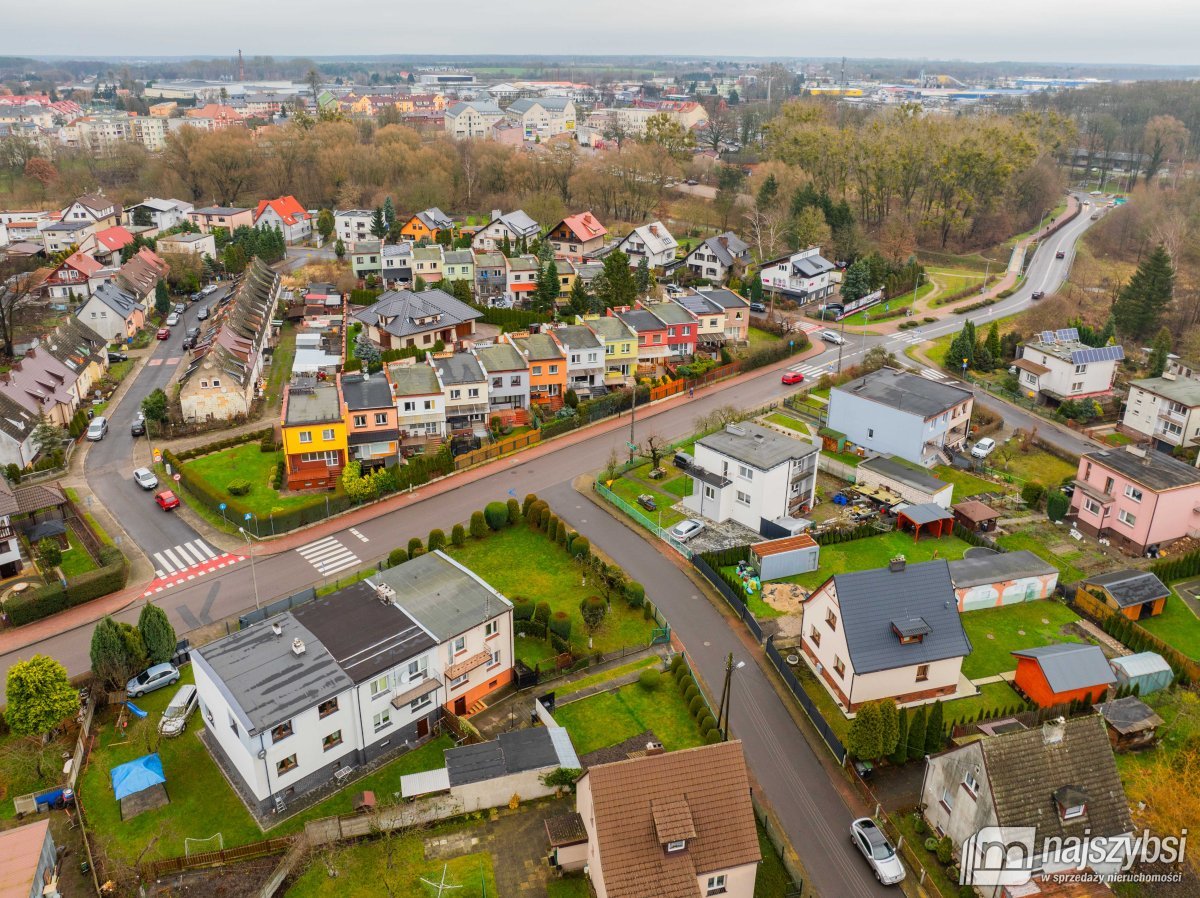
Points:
[(581, 547), (551, 524), (931, 844), (560, 535), (593, 609), (397, 556), (676, 663), (705, 722), (514, 511), (458, 535), (650, 679), (541, 613), (696, 705), (496, 515), (945, 850), (238, 487), (418, 552), (413, 545), (560, 623), (712, 738), (1031, 494), (1056, 506), (478, 525), (530, 498), (559, 644), (437, 540), (635, 594), (920, 827), (690, 692), (522, 608), (267, 443), (686, 682)]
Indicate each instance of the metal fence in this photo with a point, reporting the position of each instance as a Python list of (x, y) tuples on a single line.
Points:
[(732, 598), (276, 607), (638, 515), (818, 720)]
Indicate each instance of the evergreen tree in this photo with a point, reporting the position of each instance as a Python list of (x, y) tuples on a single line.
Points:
[(616, 286), (900, 753), (162, 299), (546, 293), (1158, 355), (461, 290), (916, 735), (889, 726), (157, 634), (642, 276), (866, 736), (993, 342), (857, 282), (767, 193), (506, 247), (40, 696), (756, 290), (389, 212), (325, 224), (579, 302), (1140, 304), (339, 249), (935, 730), (379, 227), (110, 662)]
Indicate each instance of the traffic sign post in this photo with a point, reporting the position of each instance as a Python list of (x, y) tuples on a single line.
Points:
[(176, 477), (223, 507)]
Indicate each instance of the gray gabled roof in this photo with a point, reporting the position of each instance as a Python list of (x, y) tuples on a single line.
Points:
[(1070, 665), (904, 392), (1130, 587), (442, 595), (1147, 467), (555, 104), (460, 368), (402, 309), (726, 247), (435, 219), (875, 602), (124, 304), (483, 107), (500, 357), (576, 336), (519, 222)]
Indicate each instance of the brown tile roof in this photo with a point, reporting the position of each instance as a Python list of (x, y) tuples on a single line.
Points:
[(632, 799), (1031, 367)]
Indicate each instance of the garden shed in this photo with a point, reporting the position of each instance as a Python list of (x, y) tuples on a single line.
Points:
[(1131, 723), (929, 517), (778, 558), (1130, 592), (1148, 671), (139, 785), (985, 579), (975, 516)]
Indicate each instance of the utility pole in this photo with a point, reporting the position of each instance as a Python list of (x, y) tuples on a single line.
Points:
[(632, 417), (727, 697)]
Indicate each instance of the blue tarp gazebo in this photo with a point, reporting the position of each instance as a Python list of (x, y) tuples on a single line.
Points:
[(139, 785)]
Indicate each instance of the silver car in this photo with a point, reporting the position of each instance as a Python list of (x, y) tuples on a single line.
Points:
[(175, 716), (172, 320), (145, 478), (686, 529), (156, 677), (878, 851), (833, 337)]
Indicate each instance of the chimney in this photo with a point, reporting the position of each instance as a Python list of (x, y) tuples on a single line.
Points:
[(496, 213), (276, 629), (897, 564), (29, 353), (654, 229), (297, 646), (654, 748), (1053, 731), (724, 241)]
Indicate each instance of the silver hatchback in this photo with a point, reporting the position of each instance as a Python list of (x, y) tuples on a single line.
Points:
[(175, 716)]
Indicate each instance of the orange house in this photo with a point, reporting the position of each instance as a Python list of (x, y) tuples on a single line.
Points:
[(547, 366), (426, 226), (1063, 672)]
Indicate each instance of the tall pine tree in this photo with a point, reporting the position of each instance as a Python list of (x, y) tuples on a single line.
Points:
[(900, 752), (641, 276), (916, 735), (389, 213), (935, 730), (992, 343), (1140, 305), (379, 227), (1158, 355)]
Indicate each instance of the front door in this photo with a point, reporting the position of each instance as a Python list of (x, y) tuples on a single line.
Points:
[(460, 706), (422, 727)]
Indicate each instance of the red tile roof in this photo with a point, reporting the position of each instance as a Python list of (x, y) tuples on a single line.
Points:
[(83, 263), (114, 238), (286, 207), (585, 226)]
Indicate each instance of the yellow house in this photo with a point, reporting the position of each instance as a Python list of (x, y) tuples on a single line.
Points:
[(566, 277), (620, 347), (361, 106), (313, 423)]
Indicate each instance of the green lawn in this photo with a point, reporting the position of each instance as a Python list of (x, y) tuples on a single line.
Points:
[(569, 887), (755, 602), (846, 458), (1064, 561), (1180, 711), (364, 868), (281, 365), (250, 463), (834, 716), (613, 674), (877, 551), (680, 486), (610, 717), (532, 650), (788, 421), (996, 632), (866, 316), (1116, 439), (519, 561), (993, 697), (772, 880), (906, 823), (965, 484), (1041, 467), (19, 768), (1177, 626), (760, 338), (118, 371), (666, 492), (76, 560)]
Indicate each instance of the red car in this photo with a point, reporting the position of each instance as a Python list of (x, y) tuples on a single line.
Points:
[(166, 500), (793, 377), (164, 333)]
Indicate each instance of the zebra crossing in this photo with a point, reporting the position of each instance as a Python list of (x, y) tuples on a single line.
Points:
[(183, 556), (913, 337), (328, 556), (810, 370), (357, 533), (930, 374)]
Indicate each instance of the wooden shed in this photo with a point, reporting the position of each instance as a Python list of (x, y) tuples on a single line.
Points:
[(975, 516)]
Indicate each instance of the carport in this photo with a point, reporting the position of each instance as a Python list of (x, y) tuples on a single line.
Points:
[(928, 516)]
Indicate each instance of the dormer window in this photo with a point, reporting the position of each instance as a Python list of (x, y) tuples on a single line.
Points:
[(910, 630), (1071, 802), (677, 845)]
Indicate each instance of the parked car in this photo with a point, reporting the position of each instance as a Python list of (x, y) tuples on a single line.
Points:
[(1037, 294), (983, 448), (686, 529), (210, 290), (97, 429), (792, 377), (145, 478), (758, 307), (156, 677), (138, 427), (175, 715), (203, 313), (164, 333), (683, 461), (878, 851), (117, 357), (833, 337), (166, 500), (1061, 254), (172, 320), (647, 502), (179, 308)]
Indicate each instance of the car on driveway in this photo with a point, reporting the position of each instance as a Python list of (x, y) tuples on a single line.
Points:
[(117, 357), (156, 677), (758, 308), (983, 448), (792, 377), (686, 529), (875, 847), (145, 478), (175, 715), (164, 333), (647, 502), (833, 337), (166, 500)]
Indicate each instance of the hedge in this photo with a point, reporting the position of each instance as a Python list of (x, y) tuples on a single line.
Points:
[(511, 319), (110, 577), (254, 436), (522, 608)]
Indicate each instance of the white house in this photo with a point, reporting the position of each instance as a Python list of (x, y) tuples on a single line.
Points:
[(189, 245), (1057, 366), (295, 701), (805, 276), (160, 214), (752, 475), (891, 632), (95, 209), (113, 313), (513, 225), (285, 213), (17, 425), (542, 117), (464, 390), (1164, 409), (507, 374), (472, 118), (715, 257), (650, 241), (352, 225), (898, 413), (420, 406), (584, 354)]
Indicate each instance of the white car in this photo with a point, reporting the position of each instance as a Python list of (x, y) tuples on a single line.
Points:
[(833, 337), (983, 448), (175, 716), (172, 320), (685, 530), (145, 478), (878, 851), (97, 429)]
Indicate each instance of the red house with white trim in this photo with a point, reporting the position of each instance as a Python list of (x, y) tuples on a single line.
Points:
[(288, 215)]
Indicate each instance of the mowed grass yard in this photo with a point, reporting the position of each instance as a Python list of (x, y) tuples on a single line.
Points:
[(76, 560), (520, 561), (666, 491), (1069, 563), (965, 483), (610, 717), (877, 551), (996, 632), (249, 463), (1177, 626), (1039, 466)]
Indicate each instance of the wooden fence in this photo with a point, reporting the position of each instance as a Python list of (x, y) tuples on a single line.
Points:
[(1092, 607), (495, 450), (168, 866)]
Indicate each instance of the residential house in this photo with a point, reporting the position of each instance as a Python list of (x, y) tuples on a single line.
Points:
[(1062, 672), (107, 244), (737, 311), (491, 276), (806, 276), (909, 482), (989, 581), (541, 118), (674, 824), (426, 225), (587, 272), (400, 319), (42, 385), (521, 274), (890, 632), (464, 389), (140, 275), (1132, 593), (752, 475), (188, 245), (288, 215), (1165, 409), (427, 263), (365, 258), (159, 214), (225, 374), (372, 431), (1058, 367), (349, 678), (895, 412), (1060, 778), (30, 860), (620, 348), (459, 265), (715, 258), (313, 423), (516, 226), (547, 366), (397, 264), (113, 313), (682, 328), (214, 117), (352, 225), (66, 234), (652, 242), (17, 425), (584, 354), (566, 281), (710, 320), (577, 237), (507, 374), (75, 277), (420, 406), (95, 209), (228, 217), (1137, 498), (471, 118), (653, 348), (83, 351)]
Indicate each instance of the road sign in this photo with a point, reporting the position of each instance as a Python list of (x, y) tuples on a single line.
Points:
[(632, 446), (222, 506), (246, 516), (158, 456), (177, 477)]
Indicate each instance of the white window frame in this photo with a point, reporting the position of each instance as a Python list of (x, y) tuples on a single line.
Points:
[(382, 720), (716, 885), (491, 628), (380, 686), (306, 436), (1132, 492), (677, 845), (1129, 520)]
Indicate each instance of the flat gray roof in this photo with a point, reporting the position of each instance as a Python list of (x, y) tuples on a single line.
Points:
[(980, 569), (904, 391), (443, 596), (515, 751), (756, 446), (413, 380), (1183, 390), (315, 403), (888, 466)]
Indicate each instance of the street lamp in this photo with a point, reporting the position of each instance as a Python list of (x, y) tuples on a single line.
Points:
[(727, 697), (253, 572)]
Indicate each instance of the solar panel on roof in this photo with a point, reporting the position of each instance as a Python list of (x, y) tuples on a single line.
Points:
[(1046, 336), (1067, 334), (1098, 354)]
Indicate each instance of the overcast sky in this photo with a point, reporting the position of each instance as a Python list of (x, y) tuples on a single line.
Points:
[(1099, 31)]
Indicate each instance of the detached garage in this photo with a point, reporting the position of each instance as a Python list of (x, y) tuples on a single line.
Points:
[(986, 580), (778, 558), (914, 484)]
